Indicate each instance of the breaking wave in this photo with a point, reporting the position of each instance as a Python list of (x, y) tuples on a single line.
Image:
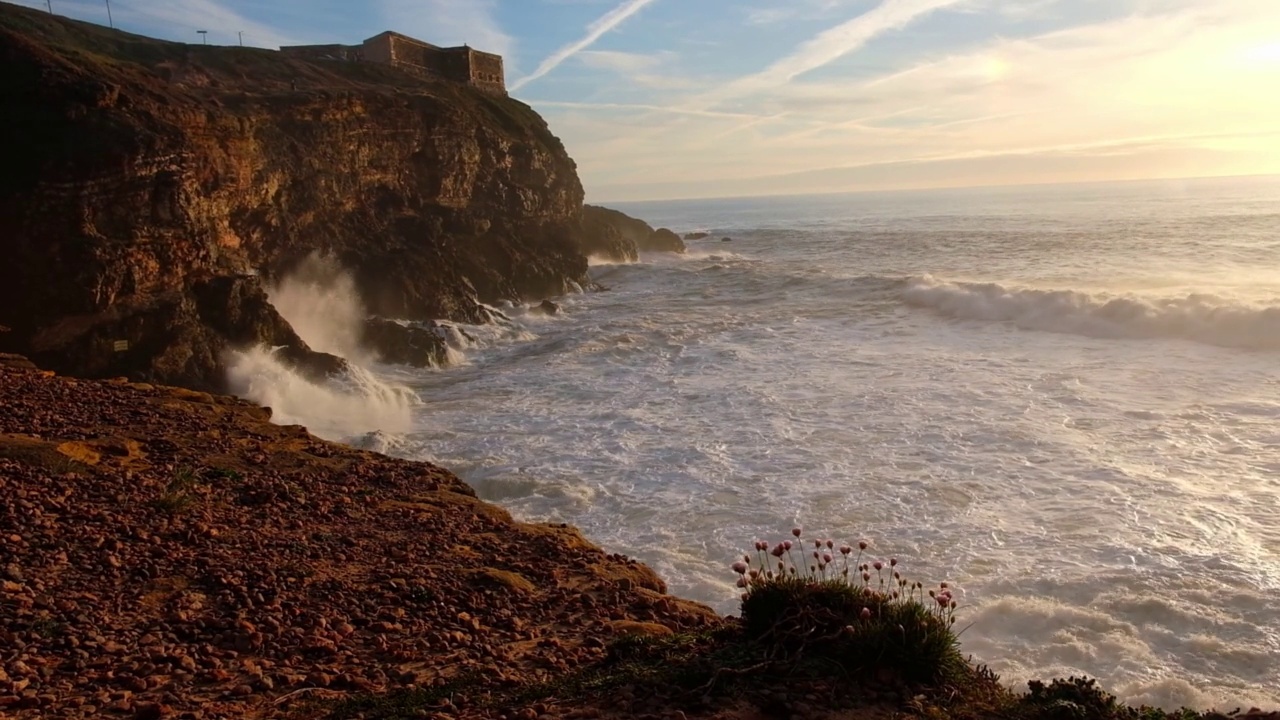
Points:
[(343, 407), (1200, 318)]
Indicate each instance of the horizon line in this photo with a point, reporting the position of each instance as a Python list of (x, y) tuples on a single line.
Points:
[(935, 188)]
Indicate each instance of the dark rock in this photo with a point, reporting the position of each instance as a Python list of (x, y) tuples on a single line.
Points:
[(663, 240), (404, 344), (726, 239), (546, 308), (696, 235), (603, 236)]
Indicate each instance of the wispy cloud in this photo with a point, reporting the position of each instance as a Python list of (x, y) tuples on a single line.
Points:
[(648, 108), (450, 22), (834, 43), (595, 30)]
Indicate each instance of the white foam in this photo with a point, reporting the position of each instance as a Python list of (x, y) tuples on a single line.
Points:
[(1197, 317), (322, 304), (352, 405)]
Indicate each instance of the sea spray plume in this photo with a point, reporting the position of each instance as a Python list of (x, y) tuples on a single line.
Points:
[(321, 302), (803, 609)]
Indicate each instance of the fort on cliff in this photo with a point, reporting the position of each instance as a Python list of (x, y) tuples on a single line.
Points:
[(461, 64)]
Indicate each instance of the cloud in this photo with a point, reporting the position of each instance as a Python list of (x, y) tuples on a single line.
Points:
[(646, 108), (622, 62), (595, 30), (450, 22), (836, 42)]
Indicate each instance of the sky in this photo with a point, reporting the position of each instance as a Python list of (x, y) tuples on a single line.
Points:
[(660, 99)]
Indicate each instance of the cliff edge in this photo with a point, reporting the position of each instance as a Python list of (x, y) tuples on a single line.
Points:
[(152, 188)]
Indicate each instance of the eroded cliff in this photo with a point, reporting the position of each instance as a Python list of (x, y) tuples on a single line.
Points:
[(149, 187)]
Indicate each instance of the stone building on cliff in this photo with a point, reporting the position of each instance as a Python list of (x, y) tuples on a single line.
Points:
[(461, 64)]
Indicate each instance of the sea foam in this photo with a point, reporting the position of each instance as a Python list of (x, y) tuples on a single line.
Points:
[(1197, 317)]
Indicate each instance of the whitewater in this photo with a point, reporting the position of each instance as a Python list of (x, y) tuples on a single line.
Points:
[(1064, 401)]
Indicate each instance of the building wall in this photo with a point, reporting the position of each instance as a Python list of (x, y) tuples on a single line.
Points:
[(461, 64), (349, 53), (378, 49), (486, 71)]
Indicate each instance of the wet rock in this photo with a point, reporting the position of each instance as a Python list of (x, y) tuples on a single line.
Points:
[(405, 344)]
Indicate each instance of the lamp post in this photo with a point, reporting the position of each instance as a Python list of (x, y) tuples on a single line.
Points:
[(50, 4), (110, 23), (204, 36), (241, 34)]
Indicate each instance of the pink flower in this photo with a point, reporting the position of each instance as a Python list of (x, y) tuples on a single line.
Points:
[(795, 531), (944, 600), (830, 545), (740, 567), (778, 550), (786, 544), (845, 549), (817, 543), (742, 582), (826, 558), (877, 565), (815, 554), (942, 585), (762, 545), (866, 576), (866, 613), (893, 562), (753, 574), (862, 545), (746, 559)]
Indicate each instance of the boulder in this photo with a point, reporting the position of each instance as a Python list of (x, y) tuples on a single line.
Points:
[(405, 344), (546, 307), (664, 240), (696, 235)]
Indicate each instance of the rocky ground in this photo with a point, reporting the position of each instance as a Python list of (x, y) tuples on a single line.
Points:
[(166, 553), (171, 553)]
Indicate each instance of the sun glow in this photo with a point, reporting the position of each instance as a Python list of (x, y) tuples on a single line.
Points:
[(1267, 54)]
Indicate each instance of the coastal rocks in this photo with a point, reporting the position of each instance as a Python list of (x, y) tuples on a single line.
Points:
[(664, 240), (603, 238), (178, 337), (600, 222), (137, 170), (696, 235), (546, 307), (405, 344)]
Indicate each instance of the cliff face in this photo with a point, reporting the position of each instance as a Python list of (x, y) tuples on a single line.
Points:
[(148, 185)]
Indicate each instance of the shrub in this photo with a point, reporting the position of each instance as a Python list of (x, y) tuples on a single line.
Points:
[(865, 617)]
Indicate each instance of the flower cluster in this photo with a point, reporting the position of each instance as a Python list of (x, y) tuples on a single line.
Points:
[(880, 579)]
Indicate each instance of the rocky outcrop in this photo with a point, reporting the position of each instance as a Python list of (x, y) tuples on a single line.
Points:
[(602, 237), (402, 344), (696, 235), (144, 180), (601, 222), (664, 240)]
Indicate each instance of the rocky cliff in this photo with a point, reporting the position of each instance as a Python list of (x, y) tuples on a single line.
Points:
[(151, 187), (615, 234)]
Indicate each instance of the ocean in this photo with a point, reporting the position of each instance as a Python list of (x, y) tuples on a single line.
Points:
[(1064, 401)]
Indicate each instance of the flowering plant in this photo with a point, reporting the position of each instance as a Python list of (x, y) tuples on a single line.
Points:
[(861, 613)]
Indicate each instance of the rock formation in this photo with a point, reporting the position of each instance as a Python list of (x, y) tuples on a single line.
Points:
[(148, 182), (601, 222)]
